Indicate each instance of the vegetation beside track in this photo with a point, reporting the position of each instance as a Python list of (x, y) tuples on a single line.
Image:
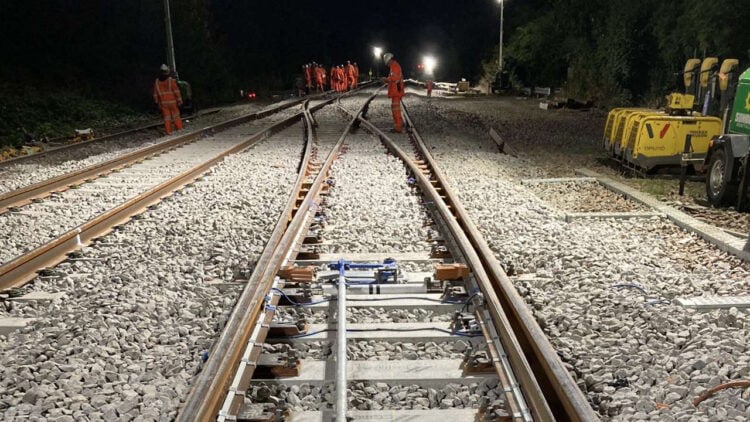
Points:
[(52, 114), (618, 52)]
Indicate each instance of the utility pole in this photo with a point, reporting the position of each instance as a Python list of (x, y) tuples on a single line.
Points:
[(500, 48), (170, 41)]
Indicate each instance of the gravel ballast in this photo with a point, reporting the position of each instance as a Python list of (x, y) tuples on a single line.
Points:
[(379, 396), (636, 355), (138, 314), (371, 207), (584, 197), (38, 223), (55, 163), (358, 350)]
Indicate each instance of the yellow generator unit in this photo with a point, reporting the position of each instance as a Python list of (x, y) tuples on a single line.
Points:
[(615, 127), (654, 140), (647, 138)]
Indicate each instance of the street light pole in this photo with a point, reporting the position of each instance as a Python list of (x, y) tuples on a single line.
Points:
[(170, 41), (377, 51), (500, 48)]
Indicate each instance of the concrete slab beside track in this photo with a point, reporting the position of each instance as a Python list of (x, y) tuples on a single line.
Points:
[(712, 234)]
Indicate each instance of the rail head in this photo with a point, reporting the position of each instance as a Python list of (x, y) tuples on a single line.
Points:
[(566, 399), (530, 394), (208, 393)]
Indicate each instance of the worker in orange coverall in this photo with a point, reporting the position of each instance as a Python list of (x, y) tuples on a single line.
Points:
[(350, 81), (356, 75), (396, 91), (321, 78), (430, 85), (320, 75), (168, 97), (341, 74)]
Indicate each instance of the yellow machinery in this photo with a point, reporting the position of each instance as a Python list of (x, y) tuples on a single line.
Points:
[(646, 138)]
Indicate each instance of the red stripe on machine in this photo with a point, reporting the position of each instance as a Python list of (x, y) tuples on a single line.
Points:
[(664, 131)]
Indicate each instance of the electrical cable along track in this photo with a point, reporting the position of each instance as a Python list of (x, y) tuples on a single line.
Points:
[(325, 330)]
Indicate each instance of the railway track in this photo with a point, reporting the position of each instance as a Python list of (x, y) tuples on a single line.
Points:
[(57, 216), (326, 329), (55, 146)]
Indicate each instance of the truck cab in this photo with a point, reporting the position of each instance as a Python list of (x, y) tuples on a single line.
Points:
[(727, 159)]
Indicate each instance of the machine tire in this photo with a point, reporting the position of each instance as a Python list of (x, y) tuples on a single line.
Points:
[(720, 188)]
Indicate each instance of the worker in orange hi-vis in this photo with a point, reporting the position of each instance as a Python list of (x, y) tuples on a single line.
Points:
[(356, 75), (349, 74), (395, 81), (430, 85), (168, 97), (319, 78), (341, 75)]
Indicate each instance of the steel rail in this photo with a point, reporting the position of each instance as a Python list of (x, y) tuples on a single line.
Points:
[(250, 317), (108, 137), (561, 393), (22, 269), (26, 194), (341, 402), (528, 384)]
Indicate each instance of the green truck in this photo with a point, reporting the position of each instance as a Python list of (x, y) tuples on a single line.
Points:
[(728, 161)]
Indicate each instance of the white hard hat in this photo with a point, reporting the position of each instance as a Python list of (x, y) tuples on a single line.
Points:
[(164, 68), (387, 57)]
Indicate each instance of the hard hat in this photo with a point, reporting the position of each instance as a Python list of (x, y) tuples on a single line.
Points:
[(164, 68), (387, 57)]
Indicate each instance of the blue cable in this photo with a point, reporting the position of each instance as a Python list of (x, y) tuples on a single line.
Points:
[(281, 292), (377, 299), (404, 330), (630, 286), (654, 302)]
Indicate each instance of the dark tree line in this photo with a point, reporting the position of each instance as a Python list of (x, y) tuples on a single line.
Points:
[(106, 48), (618, 51)]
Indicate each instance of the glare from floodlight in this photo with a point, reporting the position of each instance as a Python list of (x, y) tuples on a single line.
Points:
[(377, 51), (429, 64)]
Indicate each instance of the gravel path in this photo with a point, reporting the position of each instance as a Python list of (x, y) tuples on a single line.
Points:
[(128, 338), (560, 141), (584, 197), (635, 360), (34, 170)]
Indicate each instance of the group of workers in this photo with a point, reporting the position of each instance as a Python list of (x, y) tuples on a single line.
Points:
[(341, 78), (167, 94), (345, 77)]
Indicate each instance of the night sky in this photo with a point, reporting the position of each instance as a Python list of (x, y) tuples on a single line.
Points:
[(284, 33), (114, 48)]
